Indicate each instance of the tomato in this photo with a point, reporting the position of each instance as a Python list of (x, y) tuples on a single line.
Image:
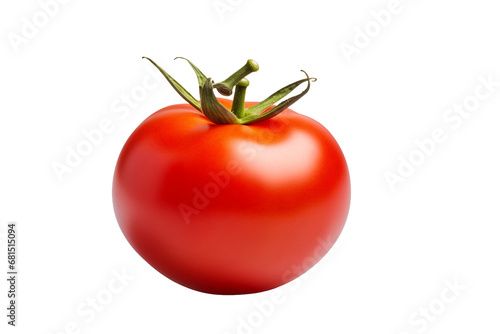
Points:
[(231, 209)]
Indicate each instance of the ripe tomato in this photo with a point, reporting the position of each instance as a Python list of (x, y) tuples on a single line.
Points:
[(231, 209)]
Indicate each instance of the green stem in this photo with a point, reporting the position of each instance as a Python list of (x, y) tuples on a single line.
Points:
[(226, 87), (211, 107), (238, 107), (251, 118)]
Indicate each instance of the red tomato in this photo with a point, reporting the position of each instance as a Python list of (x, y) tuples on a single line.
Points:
[(231, 209)]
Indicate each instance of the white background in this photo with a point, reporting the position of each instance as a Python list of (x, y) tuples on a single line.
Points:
[(400, 248)]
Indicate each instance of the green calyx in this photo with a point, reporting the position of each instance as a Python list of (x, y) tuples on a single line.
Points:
[(217, 113)]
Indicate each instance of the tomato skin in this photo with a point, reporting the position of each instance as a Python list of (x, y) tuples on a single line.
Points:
[(231, 209)]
